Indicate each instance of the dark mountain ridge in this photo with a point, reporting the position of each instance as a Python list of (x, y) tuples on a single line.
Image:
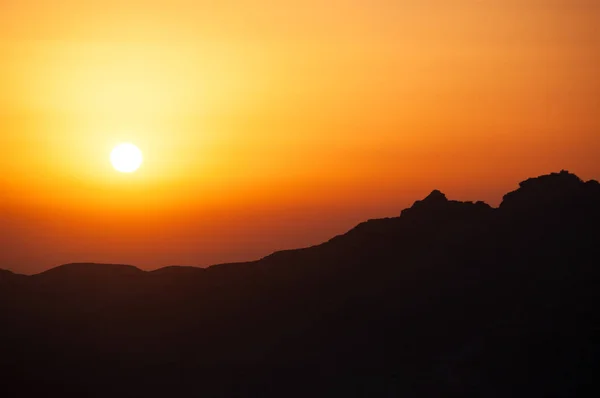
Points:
[(448, 299)]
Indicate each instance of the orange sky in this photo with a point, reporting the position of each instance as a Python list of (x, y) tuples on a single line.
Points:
[(270, 124)]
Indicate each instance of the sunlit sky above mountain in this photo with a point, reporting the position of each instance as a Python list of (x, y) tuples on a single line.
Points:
[(276, 124)]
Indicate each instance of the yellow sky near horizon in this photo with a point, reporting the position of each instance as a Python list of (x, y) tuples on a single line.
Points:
[(275, 124)]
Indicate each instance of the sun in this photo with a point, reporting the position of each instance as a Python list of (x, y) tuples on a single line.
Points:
[(126, 158)]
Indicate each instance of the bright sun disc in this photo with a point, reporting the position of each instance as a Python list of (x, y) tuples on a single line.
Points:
[(126, 158)]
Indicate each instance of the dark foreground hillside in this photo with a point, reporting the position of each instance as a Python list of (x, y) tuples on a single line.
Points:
[(448, 299)]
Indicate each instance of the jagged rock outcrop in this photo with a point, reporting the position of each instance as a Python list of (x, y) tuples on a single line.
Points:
[(437, 207), (544, 192)]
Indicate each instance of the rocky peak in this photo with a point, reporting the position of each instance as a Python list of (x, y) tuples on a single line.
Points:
[(435, 196), (542, 191), (435, 202), (435, 199)]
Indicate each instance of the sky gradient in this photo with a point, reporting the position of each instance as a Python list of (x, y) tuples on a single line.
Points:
[(269, 125)]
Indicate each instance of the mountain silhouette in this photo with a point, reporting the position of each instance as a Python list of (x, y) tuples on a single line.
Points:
[(449, 299)]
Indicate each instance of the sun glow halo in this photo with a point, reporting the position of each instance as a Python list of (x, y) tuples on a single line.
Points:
[(126, 158)]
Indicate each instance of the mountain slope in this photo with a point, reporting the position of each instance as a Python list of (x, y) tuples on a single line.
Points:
[(449, 299)]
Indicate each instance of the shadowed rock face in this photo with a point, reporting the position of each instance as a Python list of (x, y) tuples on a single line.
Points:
[(435, 197), (545, 191), (449, 299), (5, 273), (437, 206)]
